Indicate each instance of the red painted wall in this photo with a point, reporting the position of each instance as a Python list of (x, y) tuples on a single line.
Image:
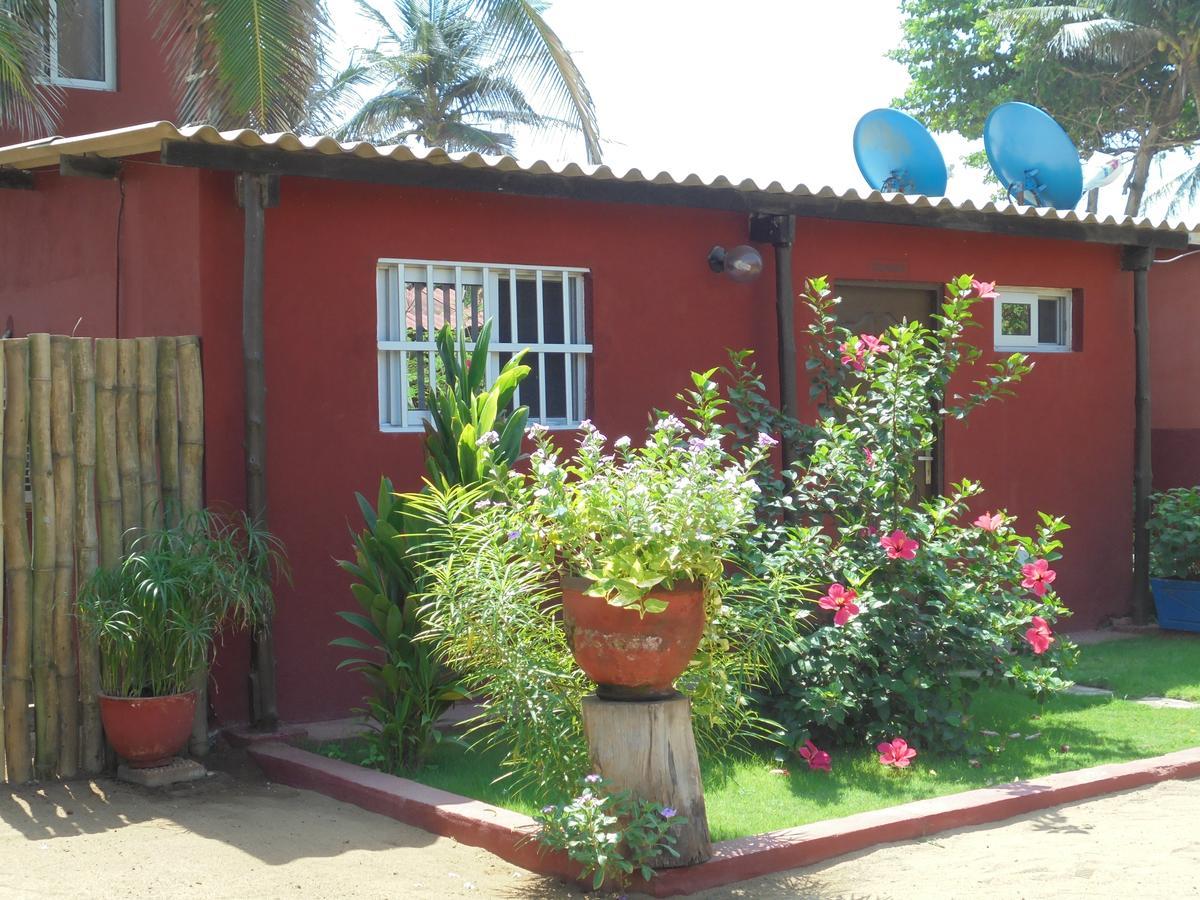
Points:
[(657, 311), (1175, 370), (144, 91), (1063, 444)]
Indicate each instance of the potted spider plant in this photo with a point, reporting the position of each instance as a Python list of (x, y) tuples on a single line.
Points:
[(155, 617), (636, 534), (1175, 558)]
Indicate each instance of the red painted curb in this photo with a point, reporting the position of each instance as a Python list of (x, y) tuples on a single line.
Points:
[(506, 833)]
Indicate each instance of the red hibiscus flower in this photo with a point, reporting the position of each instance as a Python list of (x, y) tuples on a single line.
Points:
[(986, 290), (841, 599), (899, 545), (816, 757), (895, 752), (1038, 576), (990, 523), (1040, 636)]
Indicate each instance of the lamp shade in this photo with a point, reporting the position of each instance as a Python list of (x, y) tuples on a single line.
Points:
[(741, 263)]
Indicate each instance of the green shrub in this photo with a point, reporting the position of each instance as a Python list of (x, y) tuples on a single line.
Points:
[(928, 602), (471, 437), (1175, 534), (156, 614)]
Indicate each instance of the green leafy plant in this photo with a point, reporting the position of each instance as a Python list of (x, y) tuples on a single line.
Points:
[(409, 688), (471, 438), (1175, 534), (469, 431), (927, 602), (156, 614), (611, 834), (645, 516)]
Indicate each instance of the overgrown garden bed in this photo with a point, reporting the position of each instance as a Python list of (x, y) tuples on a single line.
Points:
[(750, 794)]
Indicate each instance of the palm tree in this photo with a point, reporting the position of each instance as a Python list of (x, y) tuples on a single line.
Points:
[(437, 89), (236, 62), (1151, 48)]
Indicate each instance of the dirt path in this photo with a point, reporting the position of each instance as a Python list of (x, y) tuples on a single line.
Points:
[(238, 837)]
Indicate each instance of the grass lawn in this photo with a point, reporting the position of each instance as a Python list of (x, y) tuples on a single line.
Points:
[(745, 796)]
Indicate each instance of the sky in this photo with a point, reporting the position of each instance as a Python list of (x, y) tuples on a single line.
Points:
[(762, 89)]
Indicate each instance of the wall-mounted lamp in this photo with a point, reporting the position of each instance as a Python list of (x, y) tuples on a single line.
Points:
[(741, 263)]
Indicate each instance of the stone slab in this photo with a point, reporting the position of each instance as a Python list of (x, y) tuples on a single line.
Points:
[(177, 771), (1083, 690), (509, 834), (1167, 703)]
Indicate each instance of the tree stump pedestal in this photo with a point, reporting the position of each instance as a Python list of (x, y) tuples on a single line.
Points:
[(647, 747)]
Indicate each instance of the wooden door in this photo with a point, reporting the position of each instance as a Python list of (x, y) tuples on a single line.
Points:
[(872, 309)]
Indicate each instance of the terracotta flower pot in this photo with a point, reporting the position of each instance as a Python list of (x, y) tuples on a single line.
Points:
[(148, 731), (628, 655)]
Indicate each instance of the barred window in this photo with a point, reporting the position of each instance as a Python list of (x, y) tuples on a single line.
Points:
[(541, 308)]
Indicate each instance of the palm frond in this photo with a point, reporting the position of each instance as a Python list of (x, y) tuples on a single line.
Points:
[(244, 62), (1106, 41), (25, 104), (538, 53)]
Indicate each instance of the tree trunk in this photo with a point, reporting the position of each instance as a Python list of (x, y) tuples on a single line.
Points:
[(647, 748), (1141, 170)]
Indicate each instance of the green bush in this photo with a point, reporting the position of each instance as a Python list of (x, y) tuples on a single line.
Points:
[(928, 601), (156, 614), (470, 438), (1175, 534)]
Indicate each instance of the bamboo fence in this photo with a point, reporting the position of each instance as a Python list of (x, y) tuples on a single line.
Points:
[(98, 441)]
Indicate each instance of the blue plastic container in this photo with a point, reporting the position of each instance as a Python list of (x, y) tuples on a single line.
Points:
[(1177, 603)]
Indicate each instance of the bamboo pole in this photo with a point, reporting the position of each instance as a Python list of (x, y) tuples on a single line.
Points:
[(16, 561), (168, 426), (108, 484), (191, 486), (127, 442), (83, 368), (62, 451), (2, 587), (41, 478), (191, 425), (147, 430)]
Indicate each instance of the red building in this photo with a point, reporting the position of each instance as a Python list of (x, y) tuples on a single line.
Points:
[(605, 276)]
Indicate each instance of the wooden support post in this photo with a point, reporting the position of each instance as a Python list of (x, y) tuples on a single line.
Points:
[(19, 759), (1138, 260), (127, 443), (168, 427), (108, 478), (147, 431), (83, 367), (780, 232), (255, 194), (647, 747)]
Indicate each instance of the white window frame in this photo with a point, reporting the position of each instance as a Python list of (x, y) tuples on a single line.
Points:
[(109, 83), (577, 349), (1029, 297)]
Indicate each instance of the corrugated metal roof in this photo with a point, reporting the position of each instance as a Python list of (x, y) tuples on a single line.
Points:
[(149, 138)]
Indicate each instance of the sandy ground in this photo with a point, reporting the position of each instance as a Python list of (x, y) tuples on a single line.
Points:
[(238, 837)]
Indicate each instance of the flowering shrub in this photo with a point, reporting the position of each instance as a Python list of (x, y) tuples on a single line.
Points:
[(928, 598), (651, 514), (610, 834)]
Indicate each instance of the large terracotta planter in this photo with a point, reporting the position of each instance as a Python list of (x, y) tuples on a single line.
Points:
[(148, 731), (628, 655)]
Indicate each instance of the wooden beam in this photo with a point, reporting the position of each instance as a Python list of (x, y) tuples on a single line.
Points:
[(89, 167), (15, 179), (1138, 261), (254, 196), (417, 173)]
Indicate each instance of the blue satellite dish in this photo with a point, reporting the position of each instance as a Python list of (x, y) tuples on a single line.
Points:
[(897, 154), (1032, 156)]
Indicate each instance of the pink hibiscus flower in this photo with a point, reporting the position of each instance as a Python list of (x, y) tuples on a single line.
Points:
[(990, 523), (1040, 636), (895, 752), (986, 290), (870, 455), (873, 344), (899, 545), (841, 599), (853, 356), (817, 758), (1038, 576)]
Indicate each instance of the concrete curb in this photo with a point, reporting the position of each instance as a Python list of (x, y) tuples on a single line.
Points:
[(507, 834)]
